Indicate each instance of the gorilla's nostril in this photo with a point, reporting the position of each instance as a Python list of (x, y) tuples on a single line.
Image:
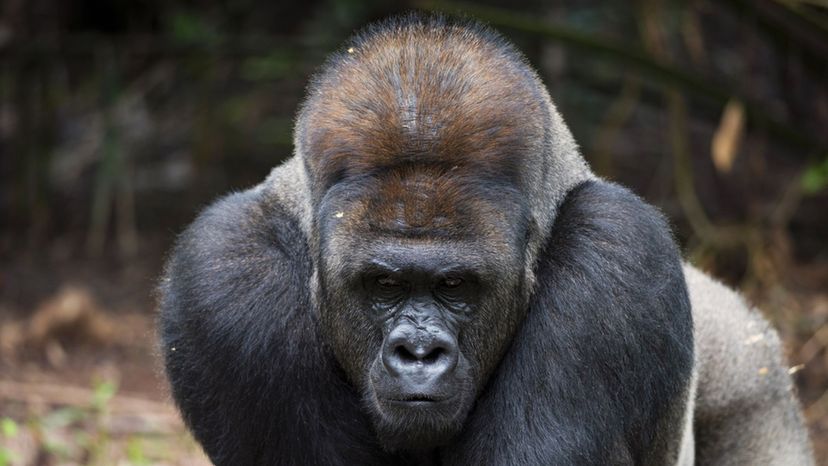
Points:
[(423, 355), (433, 356), (404, 355)]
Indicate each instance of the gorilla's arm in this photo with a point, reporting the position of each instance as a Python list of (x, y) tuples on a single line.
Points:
[(600, 371), (242, 346)]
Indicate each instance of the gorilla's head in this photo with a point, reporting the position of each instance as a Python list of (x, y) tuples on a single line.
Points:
[(419, 300), (423, 144)]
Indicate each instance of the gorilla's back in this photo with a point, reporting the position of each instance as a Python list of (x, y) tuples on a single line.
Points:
[(745, 409)]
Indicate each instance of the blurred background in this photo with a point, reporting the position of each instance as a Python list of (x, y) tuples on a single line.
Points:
[(120, 119)]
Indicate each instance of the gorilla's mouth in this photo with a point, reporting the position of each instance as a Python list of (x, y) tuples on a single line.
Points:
[(417, 398), (414, 412), (420, 399), (417, 421)]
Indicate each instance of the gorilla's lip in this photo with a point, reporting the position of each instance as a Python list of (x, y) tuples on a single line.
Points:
[(419, 400)]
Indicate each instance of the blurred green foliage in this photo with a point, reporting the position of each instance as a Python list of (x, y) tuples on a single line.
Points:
[(188, 28), (84, 434), (8, 430), (815, 178)]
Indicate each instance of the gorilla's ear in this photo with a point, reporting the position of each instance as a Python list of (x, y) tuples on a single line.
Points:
[(604, 358)]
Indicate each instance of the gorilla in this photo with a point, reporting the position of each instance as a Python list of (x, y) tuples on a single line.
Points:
[(436, 277)]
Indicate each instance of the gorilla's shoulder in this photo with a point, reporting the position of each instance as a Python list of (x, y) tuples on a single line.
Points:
[(246, 225), (602, 223), (243, 247)]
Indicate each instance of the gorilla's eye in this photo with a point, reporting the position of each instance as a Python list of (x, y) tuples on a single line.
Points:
[(451, 282), (386, 281)]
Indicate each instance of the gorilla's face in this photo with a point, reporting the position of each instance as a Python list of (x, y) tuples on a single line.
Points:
[(420, 383), (417, 317)]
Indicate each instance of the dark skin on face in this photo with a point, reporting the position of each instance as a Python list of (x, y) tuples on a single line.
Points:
[(422, 301), (420, 307)]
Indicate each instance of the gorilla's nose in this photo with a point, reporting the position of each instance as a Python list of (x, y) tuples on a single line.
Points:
[(421, 354)]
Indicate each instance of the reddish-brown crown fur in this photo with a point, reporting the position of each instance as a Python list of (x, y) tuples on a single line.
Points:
[(423, 108)]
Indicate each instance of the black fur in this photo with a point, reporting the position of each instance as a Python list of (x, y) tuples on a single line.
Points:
[(248, 369), (605, 351)]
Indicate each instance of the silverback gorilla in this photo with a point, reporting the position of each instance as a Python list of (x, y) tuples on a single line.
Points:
[(437, 278)]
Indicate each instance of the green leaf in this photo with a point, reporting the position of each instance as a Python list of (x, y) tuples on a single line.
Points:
[(135, 452), (7, 457), (815, 178), (104, 391), (8, 427)]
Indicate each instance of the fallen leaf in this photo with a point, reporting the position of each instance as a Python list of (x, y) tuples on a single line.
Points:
[(728, 136)]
